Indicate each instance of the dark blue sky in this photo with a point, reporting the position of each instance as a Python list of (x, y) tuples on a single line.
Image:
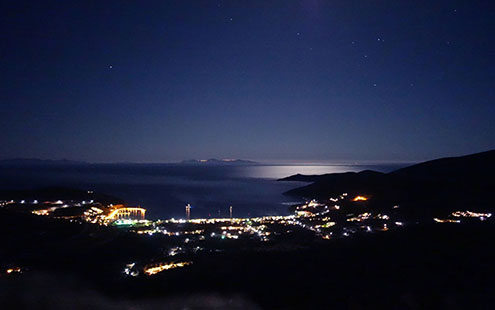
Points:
[(154, 81)]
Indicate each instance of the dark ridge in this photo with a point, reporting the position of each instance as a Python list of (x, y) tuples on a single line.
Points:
[(479, 165), (56, 193), (330, 176), (456, 182), (337, 183)]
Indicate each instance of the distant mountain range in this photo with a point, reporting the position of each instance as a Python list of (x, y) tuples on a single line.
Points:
[(465, 182), (214, 161), (39, 162), (50, 162)]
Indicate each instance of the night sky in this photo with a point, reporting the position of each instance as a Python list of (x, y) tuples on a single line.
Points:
[(156, 81)]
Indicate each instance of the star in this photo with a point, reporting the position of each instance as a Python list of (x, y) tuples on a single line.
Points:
[(298, 34), (374, 85), (111, 67)]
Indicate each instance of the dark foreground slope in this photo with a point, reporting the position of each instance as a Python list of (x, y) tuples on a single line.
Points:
[(466, 181), (419, 267)]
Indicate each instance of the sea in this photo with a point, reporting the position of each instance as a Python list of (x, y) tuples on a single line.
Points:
[(165, 189)]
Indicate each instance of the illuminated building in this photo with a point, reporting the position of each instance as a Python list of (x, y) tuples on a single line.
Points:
[(122, 212)]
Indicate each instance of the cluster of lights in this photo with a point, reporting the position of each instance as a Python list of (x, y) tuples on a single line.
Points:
[(146, 232), (446, 220), (130, 270), (125, 222), (259, 231), (229, 235), (327, 225), (309, 216), (311, 211), (154, 269), (256, 226), (304, 213), (312, 204), (463, 214), (58, 204), (13, 270), (94, 215), (175, 251), (5, 202), (382, 217), (360, 217), (43, 212), (481, 216), (177, 233), (366, 216)]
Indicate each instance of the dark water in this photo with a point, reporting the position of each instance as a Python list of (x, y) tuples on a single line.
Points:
[(165, 189)]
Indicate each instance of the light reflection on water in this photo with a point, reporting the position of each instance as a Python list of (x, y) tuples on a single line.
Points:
[(282, 171)]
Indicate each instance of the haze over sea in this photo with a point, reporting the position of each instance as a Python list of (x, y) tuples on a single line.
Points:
[(165, 189)]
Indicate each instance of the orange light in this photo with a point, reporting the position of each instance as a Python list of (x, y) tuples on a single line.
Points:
[(11, 270), (161, 267), (360, 198)]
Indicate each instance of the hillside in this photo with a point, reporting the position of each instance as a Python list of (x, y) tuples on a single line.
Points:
[(465, 181)]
